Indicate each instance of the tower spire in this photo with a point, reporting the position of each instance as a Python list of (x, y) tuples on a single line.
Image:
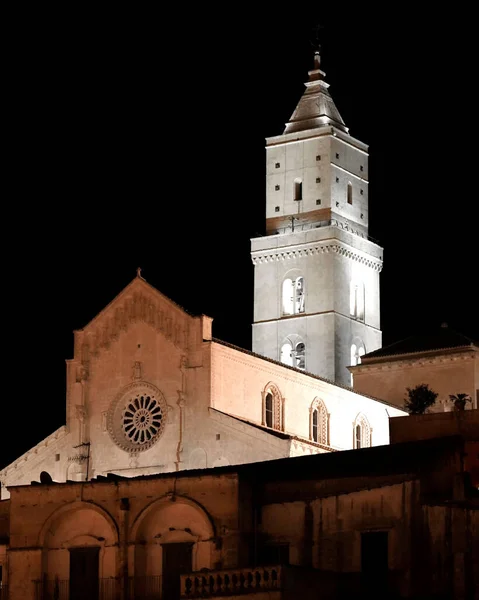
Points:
[(316, 108)]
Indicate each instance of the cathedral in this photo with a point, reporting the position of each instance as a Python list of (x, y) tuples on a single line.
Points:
[(170, 478), (150, 390)]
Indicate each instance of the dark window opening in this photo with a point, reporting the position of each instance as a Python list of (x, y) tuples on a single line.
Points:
[(177, 560), (277, 165), (358, 436), (268, 408), (318, 179), (276, 187), (298, 190), (318, 157), (274, 554), (375, 561), (84, 573), (276, 209), (350, 193), (315, 425), (318, 201)]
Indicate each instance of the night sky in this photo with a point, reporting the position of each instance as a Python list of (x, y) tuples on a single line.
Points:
[(137, 139)]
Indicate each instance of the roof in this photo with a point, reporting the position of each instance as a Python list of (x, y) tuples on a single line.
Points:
[(440, 338), (303, 372), (275, 433), (316, 108), (411, 458)]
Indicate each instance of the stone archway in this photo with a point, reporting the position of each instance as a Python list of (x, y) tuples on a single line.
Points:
[(172, 535), (79, 546)]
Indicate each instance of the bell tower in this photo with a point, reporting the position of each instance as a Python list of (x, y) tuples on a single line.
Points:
[(316, 290)]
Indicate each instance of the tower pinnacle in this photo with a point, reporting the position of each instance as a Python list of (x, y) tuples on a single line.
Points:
[(316, 108)]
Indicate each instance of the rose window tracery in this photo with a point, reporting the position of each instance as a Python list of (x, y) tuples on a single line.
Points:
[(137, 416), (142, 419)]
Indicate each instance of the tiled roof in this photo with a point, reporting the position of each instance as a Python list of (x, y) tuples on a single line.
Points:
[(441, 338)]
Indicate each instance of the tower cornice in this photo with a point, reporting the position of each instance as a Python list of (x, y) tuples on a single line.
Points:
[(299, 136), (312, 248)]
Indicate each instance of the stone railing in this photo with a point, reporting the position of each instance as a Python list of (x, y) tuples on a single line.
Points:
[(230, 582)]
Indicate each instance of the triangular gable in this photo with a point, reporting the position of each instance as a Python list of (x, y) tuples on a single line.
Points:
[(138, 301)]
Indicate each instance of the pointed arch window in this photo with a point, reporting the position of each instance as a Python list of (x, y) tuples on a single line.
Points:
[(356, 300), (293, 352), (319, 423), (362, 433), (273, 404), (293, 295)]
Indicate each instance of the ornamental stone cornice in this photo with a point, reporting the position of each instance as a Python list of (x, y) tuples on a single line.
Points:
[(311, 249), (396, 363)]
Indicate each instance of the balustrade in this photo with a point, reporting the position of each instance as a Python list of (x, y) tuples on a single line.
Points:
[(230, 582)]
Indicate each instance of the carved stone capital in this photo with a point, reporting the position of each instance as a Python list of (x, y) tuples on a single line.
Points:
[(81, 413)]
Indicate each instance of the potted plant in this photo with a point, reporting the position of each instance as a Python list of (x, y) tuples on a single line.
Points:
[(459, 400)]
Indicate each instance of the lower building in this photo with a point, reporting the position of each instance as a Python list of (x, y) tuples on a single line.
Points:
[(400, 520)]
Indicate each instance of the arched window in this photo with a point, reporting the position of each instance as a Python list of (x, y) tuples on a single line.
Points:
[(298, 189), (356, 300), (293, 296), (357, 350), (319, 423), (350, 193), (272, 407), (362, 432), (293, 352)]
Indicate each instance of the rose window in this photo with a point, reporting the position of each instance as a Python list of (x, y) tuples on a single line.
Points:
[(137, 417), (142, 419)]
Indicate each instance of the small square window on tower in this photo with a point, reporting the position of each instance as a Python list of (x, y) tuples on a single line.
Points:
[(318, 201), (337, 155), (277, 165), (276, 209), (318, 179), (362, 192), (318, 156), (57, 457), (276, 187), (337, 179), (361, 168)]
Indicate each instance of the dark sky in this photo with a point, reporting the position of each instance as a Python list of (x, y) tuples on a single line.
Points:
[(137, 139)]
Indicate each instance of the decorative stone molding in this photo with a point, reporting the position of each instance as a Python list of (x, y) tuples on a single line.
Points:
[(137, 370), (281, 254), (133, 309), (398, 362), (81, 413)]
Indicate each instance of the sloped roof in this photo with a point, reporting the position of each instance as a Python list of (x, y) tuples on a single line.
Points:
[(138, 283), (440, 338), (316, 107)]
